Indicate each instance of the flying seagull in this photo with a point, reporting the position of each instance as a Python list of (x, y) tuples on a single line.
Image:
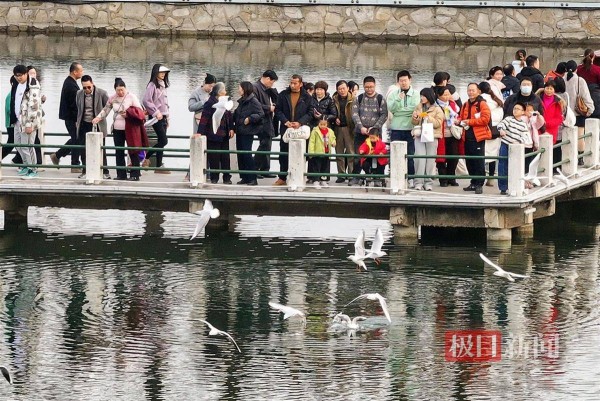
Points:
[(216, 332), (375, 297), (6, 374), (561, 177), (359, 252), (531, 176), (207, 212), (375, 253), (500, 272), (220, 107), (287, 311)]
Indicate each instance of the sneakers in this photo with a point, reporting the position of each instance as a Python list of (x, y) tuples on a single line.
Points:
[(411, 184), (23, 171), (54, 159), (469, 188), (339, 180), (279, 182), (478, 190), (317, 185), (324, 184), (503, 192), (82, 175), (106, 176), (161, 170), (378, 184), (30, 175), (453, 183), (428, 187)]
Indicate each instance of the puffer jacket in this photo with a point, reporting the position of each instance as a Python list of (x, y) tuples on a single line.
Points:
[(326, 107), (481, 124), (553, 114), (435, 115), (536, 76), (249, 107)]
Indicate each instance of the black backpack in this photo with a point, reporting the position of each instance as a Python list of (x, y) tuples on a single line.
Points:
[(379, 99)]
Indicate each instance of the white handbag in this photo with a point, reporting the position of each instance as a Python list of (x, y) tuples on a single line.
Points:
[(456, 131), (427, 132)]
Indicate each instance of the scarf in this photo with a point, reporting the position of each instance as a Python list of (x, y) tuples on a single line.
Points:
[(325, 133), (449, 114)]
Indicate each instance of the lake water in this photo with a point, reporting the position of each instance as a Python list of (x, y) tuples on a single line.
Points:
[(106, 305)]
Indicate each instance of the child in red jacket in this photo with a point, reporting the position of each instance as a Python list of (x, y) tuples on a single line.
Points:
[(373, 146)]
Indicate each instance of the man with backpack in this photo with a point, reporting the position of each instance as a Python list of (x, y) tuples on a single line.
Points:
[(369, 111)]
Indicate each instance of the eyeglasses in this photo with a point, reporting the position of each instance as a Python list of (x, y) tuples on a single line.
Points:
[(88, 87)]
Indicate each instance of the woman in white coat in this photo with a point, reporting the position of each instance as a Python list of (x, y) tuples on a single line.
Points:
[(576, 86), (492, 146)]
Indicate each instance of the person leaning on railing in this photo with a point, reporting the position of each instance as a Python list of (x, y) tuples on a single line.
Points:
[(475, 117)]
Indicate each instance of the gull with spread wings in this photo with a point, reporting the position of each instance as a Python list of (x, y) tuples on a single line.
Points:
[(216, 332), (375, 297), (359, 252), (288, 311), (500, 272), (208, 212), (375, 252)]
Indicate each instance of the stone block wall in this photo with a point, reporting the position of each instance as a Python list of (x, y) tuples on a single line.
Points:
[(542, 25)]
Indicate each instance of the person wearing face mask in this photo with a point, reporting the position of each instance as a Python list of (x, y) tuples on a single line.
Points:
[(525, 96)]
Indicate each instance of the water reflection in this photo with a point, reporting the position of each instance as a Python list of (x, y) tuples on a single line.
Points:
[(103, 311)]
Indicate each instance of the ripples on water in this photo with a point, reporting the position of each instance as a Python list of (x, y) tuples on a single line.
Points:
[(107, 305)]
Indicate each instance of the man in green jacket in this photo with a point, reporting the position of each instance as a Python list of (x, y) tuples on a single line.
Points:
[(402, 100)]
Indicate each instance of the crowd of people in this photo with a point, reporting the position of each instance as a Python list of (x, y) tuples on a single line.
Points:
[(515, 104)]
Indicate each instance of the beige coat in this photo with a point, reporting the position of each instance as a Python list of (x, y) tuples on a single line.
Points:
[(435, 115)]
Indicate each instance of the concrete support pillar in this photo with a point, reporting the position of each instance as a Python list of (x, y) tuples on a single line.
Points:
[(516, 169), (398, 166), (569, 150), (15, 214), (93, 157), (198, 160), (592, 143), (404, 223), (499, 234), (524, 231), (297, 165), (546, 159)]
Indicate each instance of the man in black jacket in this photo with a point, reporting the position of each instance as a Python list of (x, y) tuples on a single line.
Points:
[(267, 132), (68, 112), (294, 109), (531, 71)]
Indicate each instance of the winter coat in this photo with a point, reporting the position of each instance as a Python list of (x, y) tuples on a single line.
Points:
[(536, 76), (480, 126), (532, 99), (435, 115), (205, 126), (303, 112), (99, 100), (68, 108), (496, 110), (31, 106), (511, 86), (591, 76), (402, 108), (264, 98), (554, 115), (577, 86), (326, 107), (370, 113), (347, 111), (378, 149), (316, 143), (155, 99), (135, 131), (249, 107)]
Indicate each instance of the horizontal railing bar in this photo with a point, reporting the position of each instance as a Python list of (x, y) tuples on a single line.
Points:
[(55, 166), (208, 171), (144, 148), (244, 152), (535, 152), (456, 157), (145, 168), (346, 175), (560, 163), (26, 145), (460, 177)]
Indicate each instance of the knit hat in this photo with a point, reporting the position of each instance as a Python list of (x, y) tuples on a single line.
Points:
[(210, 79)]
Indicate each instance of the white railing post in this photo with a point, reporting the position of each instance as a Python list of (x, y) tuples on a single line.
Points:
[(398, 166), (592, 143), (198, 159), (93, 157), (516, 169), (569, 150), (297, 165), (546, 159)]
